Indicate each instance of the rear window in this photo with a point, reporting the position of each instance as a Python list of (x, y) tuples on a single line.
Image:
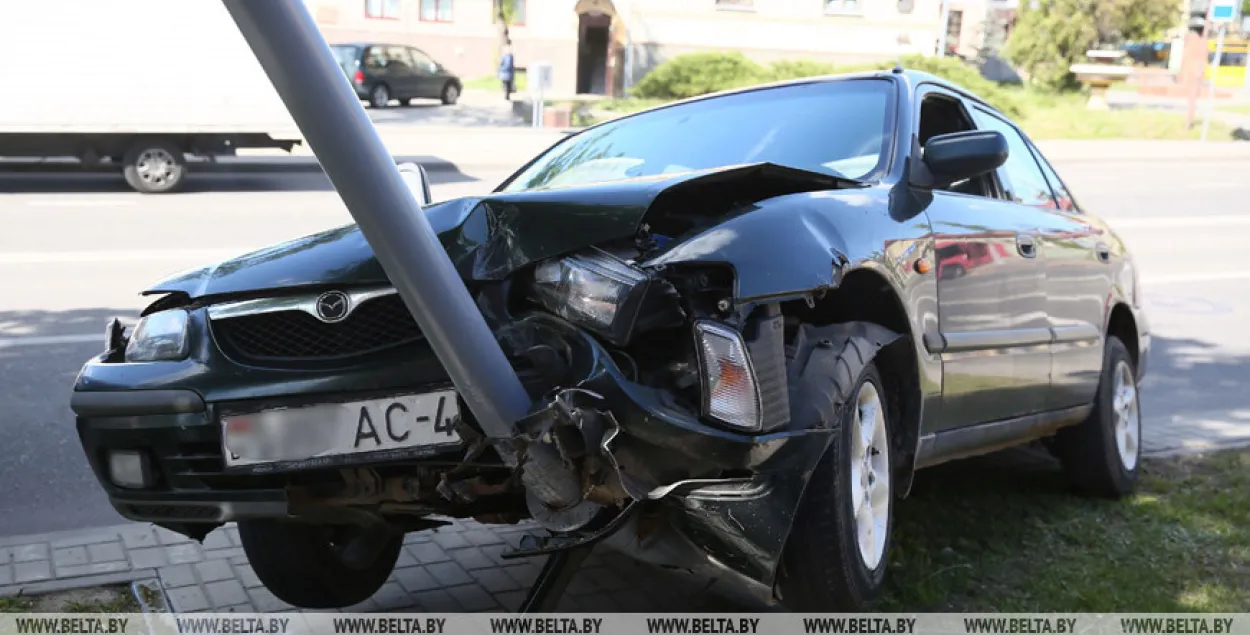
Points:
[(346, 55)]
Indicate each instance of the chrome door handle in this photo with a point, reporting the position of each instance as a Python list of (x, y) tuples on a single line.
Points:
[(1026, 245)]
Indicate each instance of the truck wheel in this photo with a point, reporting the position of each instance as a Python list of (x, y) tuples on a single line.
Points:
[(154, 167), (451, 93), (380, 96), (1101, 454), (836, 557), (318, 566)]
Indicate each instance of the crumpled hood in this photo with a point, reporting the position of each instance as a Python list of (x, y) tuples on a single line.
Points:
[(487, 237)]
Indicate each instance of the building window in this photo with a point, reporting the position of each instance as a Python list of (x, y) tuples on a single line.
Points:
[(841, 6), (436, 10), (954, 28), (382, 9), (513, 9), (735, 4)]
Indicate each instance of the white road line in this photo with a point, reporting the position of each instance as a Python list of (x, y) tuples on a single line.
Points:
[(1181, 222), (71, 202), (1211, 276), (56, 257), (52, 340)]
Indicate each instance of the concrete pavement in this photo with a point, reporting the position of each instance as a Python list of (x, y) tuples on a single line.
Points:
[(78, 247)]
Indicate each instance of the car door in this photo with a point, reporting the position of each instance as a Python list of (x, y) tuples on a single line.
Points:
[(1079, 261), (994, 340), (400, 74), (428, 80)]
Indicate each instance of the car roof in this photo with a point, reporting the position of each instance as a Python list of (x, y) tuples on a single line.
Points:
[(360, 44), (911, 77)]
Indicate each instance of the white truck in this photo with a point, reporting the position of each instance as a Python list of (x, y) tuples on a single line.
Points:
[(140, 85)]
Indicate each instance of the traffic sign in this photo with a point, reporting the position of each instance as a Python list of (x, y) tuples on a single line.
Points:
[(1224, 11)]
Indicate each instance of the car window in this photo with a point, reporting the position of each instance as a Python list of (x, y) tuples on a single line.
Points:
[(375, 59), (841, 128), (1063, 198), (1021, 177), (345, 55), (421, 61), (398, 57)]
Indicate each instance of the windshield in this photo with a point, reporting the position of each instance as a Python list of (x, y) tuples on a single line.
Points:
[(346, 56), (840, 128)]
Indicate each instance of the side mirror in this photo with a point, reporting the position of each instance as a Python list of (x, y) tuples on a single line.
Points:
[(418, 182), (964, 155)]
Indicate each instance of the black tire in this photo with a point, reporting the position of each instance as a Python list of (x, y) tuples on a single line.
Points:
[(450, 94), (407, 101), (822, 569), (380, 96), (154, 167), (300, 564), (1090, 451)]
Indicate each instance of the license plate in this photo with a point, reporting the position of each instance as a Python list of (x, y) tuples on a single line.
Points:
[(334, 433)]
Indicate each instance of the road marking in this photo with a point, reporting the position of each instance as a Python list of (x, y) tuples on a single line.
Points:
[(1181, 222), (71, 202), (1212, 276), (56, 257), (52, 340)]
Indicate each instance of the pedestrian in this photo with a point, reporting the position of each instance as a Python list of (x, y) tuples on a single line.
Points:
[(507, 72)]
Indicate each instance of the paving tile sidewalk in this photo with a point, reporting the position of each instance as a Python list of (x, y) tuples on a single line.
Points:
[(454, 569), (457, 568)]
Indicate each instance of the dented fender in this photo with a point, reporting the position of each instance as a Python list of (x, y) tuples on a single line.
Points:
[(794, 244)]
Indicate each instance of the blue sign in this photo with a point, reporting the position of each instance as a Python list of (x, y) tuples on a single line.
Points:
[(1223, 11)]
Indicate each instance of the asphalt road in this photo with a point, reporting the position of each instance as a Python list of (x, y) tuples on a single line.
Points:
[(75, 249)]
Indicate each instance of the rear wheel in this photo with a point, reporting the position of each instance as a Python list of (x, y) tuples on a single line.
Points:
[(154, 167), (319, 566), (380, 96), (405, 102), (1101, 455), (838, 551)]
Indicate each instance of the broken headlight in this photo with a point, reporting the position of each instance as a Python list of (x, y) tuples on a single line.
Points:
[(161, 336), (595, 290)]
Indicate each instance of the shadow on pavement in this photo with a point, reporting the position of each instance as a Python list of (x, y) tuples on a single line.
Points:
[(236, 174), (18, 324)]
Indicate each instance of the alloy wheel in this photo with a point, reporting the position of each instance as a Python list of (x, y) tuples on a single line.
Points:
[(870, 475), (1127, 415)]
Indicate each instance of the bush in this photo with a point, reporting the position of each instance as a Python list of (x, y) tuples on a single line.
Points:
[(698, 74), (701, 73), (798, 69)]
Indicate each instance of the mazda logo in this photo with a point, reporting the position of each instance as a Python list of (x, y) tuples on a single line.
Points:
[(333, 306)]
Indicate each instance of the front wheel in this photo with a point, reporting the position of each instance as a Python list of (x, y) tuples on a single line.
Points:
[(1101, 455), (319, 566), (451, 94), (838, 551)]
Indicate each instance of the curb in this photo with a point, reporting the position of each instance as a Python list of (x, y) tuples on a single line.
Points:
[(75, 583)]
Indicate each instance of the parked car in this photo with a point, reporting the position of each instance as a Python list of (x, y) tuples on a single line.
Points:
[(380, 72), (728, 313)]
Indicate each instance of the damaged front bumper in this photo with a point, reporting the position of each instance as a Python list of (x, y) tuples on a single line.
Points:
[(700, 497)]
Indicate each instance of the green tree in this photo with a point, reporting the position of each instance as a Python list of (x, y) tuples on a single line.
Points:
[(505, 16), (1052, 35)]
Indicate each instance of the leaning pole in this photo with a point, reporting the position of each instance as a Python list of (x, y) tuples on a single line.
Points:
[(292, 52)]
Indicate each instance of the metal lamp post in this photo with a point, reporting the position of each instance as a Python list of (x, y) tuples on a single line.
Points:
[(298, 62)]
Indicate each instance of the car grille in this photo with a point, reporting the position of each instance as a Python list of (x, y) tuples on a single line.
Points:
[(284, 337)]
